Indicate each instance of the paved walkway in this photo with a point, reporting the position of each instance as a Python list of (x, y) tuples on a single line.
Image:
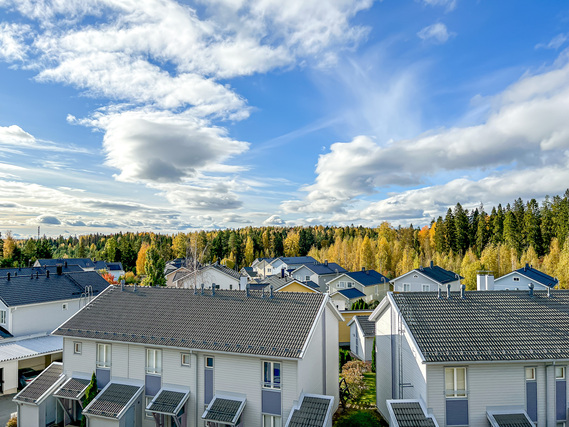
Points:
[(6, 408)]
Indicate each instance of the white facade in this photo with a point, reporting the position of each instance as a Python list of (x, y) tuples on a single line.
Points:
[(372, 293), (415, 281), (402, 373), (305, 274), (360, 345), (516, 281), (208, 276)]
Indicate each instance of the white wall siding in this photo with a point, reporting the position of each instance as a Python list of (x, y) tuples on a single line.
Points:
[(84, 363), (332, 357), (290, 392), (28, 415), (436, 392), (102, 422), (310, 377), (136, 362), (509, 282), (41, 318), (383, 360), (119, 360), (10, 376), (416, 282), (208, 276)]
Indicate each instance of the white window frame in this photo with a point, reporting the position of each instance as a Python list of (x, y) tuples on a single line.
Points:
[(426, 288), (341, 285), (106, 362), (183, 356), (563, 373), (77, 347), (147, 400), (272, 385), (455, 393), (532, 371), (406, 287), (3, 316), (154, 361), (306, 278), (273, 420)]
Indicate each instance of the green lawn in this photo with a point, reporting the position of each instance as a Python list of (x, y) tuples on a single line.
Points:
[(368, 398)]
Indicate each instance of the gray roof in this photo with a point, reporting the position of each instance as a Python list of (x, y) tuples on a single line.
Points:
[(512, 420), (41, 384), (223, 410), (488, 325), (410, 414), (38, 288), (227, 321), (181, 273), (278, 282), (312, 412), (167, 402), (81, 262), (367, 326), (112, 400), (73, 388)]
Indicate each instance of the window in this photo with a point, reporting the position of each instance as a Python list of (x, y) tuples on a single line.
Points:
[(341, 284), (426, 288), (406, 287), (103, 355), (209, 362), (64, 306), (307, 278), (272, 375), (271, 421), (148, 399), (560, 372), (3, 316), (455, 382), (153, 361), (77, 348), (185, 360), (350, 284), (516, 279), (530, 374), (230, 286)]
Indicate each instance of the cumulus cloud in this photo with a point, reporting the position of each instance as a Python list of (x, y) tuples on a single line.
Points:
[(15, 135), (274, 220), (437, 33), (527, 129), (48, 219), (12, 41)]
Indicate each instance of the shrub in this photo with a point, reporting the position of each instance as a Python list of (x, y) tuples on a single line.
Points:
[(358, 419), (360, 366), (373, 351), (344, 357), (353, 372), (12, 422)]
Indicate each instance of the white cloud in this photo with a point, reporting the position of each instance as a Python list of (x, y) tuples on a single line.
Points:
[(437, 33), (555, 43), (449, 4), (527, 129), (15, 135), (12, 41), (47, 219), (274, 220)]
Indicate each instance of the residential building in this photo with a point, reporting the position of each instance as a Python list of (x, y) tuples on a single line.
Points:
[(175, 264), (248, 272), (210, 275), (518, 280), (319, 273), (283, 284), (288, 264), (427, 279), (206, 360), (85, 264), (260, 266), (344, 329), (347, 288), (362, 333), (475, 358), (31, 306), (175, 275)]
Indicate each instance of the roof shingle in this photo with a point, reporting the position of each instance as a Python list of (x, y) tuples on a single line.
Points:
[(41, 384), (112, 400)]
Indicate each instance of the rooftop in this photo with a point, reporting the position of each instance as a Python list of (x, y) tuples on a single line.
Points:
[(537, 276), (438, 274), (352, 293), (224, 410), (112, 400), (168, 402), (73, 388), (410, 414), (311, 413), (205, 322), (510, 420), (30, 347), (368, 277), (367, 326), (81, 262), (41, 384), (488, 325)]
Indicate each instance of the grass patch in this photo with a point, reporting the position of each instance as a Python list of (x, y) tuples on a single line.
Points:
[(368, 398), (357, 418)]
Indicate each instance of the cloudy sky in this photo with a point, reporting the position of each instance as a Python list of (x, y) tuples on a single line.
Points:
[(174, 116)]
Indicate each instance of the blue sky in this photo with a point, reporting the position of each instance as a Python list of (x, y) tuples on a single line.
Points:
[(174, 116)]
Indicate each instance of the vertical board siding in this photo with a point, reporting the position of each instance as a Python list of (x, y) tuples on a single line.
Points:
[(119, 359), (82, 364), (310, 367), (41, 318), (383, 361), (136, 362), (332, 358), (561, 400)]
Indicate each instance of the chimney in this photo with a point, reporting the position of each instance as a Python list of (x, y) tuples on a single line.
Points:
[(59, 269), (247, 290), (47, 274), (271, 291), (65, 264), (480, 282), (432, 264), (526, 267), (326, 262), (363, 269), (448, 291), (122, 285), (282, 273), (489, 282), (202, 288), (8, 275), (462, 289), (242, 283), (530, 286)]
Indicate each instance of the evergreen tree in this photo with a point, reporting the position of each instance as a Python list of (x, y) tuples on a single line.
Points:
[(450, 232), (154, 268), (462, 229), (90, 393)]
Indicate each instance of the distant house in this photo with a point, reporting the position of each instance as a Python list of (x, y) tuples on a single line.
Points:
[(347, 288), (427, 279), (205, 363), (476, 359), (344, 329), (249, 272), (85, 264), (260, 266), (175, 275), (211, 275), (283, 284), (31, 306), (319, 273), (288, 264), (362, 333), (521, 278)]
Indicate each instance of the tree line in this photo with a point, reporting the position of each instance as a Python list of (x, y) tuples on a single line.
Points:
[(465, 241)]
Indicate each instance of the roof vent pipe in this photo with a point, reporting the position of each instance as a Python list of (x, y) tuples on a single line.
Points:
[(271, 291), (213, 288), (448, 291), (530, 286), (47, 274), (122, 284), (462, 289), (440, 294), (59, 269), (195, 290), (263, 292), (363, 269), (432, 264), (134, 290), (548, 292), (282, 273), (202, 288), (247, 290), (8, 276)]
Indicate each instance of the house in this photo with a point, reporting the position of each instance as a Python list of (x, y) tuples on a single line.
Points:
[(318, 273), (260, 265), (84, 264), (369, 284), (248, 272), (115, 269), (427, 279), (211, 275), (283, 284), (475, 358), (519, 280), (175, 275), (362, 333), (206, 361), (31, 306), (175, 264), (288, 264), (344, 329)]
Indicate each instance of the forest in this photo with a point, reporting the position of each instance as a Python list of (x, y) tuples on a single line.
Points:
[(499, 240)]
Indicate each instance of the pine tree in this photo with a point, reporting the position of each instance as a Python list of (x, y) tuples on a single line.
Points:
[(154, 268), (90, 393)]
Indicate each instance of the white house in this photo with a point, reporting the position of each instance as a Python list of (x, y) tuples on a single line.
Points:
[(31, 306), (260, 266), (520, 279), (195, 358), (175, 275), (319, 273), (211, 275), (347, 288), (474, 358), (426, 279), (288, 264), (362, 333)]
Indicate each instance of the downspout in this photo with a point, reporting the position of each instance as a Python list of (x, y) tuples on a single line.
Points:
[(196, 385), (324, 350)]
